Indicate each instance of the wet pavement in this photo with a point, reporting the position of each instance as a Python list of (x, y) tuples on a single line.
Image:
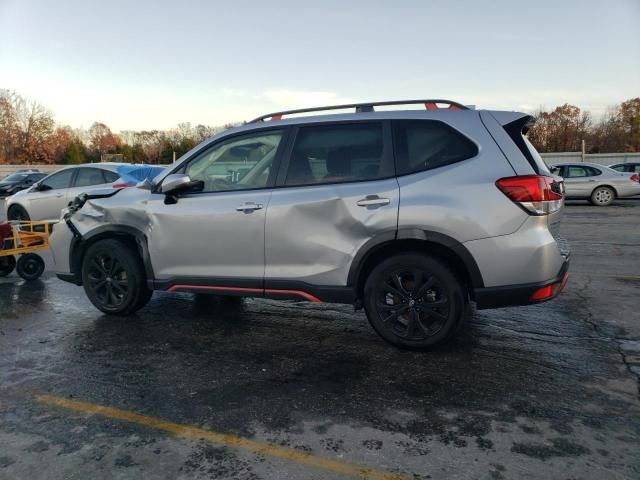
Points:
[(258, 389)]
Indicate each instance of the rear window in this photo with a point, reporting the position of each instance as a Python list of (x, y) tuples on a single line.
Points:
[(517, 131), (425, 144)]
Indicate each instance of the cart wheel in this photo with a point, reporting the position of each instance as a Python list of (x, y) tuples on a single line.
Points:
[(30, 266), (7, 264)]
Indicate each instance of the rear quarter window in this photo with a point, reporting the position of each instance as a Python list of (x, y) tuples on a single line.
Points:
[(426, 144)]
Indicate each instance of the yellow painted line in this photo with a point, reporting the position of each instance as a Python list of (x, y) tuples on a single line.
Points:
[(195, 433)]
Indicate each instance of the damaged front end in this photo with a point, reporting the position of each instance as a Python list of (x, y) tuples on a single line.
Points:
[(89, 217)]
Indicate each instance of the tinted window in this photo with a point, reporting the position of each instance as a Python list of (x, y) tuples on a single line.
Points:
[(16, 177), (89, 176), (621, 168), (110, 177), (59, 180), (34, 177), (240, 163), (573, 172), (425, 144), (337, 153)]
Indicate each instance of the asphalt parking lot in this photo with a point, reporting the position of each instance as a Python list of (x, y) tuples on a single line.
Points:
[(196, 387)]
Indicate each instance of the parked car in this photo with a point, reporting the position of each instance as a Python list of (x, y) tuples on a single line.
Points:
[(631, 167), (596, 183), (409, 214), (45, 200), (18, 181)]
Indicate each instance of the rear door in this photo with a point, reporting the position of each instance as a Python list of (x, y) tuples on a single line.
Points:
[(336, 190), (88, 179)]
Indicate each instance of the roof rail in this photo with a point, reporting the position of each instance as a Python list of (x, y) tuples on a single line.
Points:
[(429, 104)]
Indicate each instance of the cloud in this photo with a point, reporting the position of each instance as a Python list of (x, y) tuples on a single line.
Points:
[(302, 99)]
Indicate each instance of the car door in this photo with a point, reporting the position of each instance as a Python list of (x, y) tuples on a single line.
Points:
[(215, 236), (336, 191), (51, 195), (578, 181)]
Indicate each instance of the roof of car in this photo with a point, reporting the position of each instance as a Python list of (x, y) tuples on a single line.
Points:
[(579, 164)]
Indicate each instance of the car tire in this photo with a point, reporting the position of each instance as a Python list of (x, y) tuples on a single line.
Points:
[(414, 301), (30, 266), (18, 213), (113, 278), (7, 264), (602, 196)]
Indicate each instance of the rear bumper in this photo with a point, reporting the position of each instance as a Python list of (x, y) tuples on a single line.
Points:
[(514, 295)]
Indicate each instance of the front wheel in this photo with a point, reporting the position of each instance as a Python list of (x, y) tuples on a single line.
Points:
[(18, 213), (603, 196), (113, 278), (414, 301)]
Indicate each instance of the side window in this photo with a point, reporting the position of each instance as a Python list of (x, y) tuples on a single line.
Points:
[(426, 144), (89, 176), (240, 163), (59, 180), (337, 153), (621, 168), (110, 177), (574, 171), (593, 172)]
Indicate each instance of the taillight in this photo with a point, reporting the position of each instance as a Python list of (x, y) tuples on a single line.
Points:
[(536, 194), (123, 185), (635, 178)]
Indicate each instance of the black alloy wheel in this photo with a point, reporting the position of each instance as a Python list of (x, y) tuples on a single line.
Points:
[(414, 301)]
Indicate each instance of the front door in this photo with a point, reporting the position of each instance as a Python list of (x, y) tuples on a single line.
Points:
[(215, 236), (336, 192), (578, 181), (51, 196)]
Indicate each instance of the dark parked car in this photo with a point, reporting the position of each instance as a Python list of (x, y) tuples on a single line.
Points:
[(18, 181)]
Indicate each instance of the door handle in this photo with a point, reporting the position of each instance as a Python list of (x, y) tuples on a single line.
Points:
[(373, 200), (249, 207), (59, 195)]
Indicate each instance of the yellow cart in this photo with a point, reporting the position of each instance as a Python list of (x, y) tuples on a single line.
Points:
[(23, 239)]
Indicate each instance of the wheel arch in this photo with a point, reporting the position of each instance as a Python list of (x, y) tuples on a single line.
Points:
[(454, 253), (131, 235), (17, 205)]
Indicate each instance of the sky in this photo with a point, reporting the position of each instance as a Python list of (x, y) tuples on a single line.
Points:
[(153, 64)]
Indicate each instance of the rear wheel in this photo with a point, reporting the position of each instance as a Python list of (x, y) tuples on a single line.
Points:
[(603, 196), (30, 266), (18, 213), (7, 264), (113, 278), (414, 301)]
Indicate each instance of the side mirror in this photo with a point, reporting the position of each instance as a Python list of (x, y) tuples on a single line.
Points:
[(175, 183), (41, 187)]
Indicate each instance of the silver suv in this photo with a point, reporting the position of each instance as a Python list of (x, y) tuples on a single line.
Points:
[(410, 214)]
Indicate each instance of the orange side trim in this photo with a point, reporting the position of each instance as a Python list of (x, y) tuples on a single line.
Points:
[(305, 295), (299, 293)]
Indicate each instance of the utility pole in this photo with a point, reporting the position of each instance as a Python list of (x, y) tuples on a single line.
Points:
[(583, 149)]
